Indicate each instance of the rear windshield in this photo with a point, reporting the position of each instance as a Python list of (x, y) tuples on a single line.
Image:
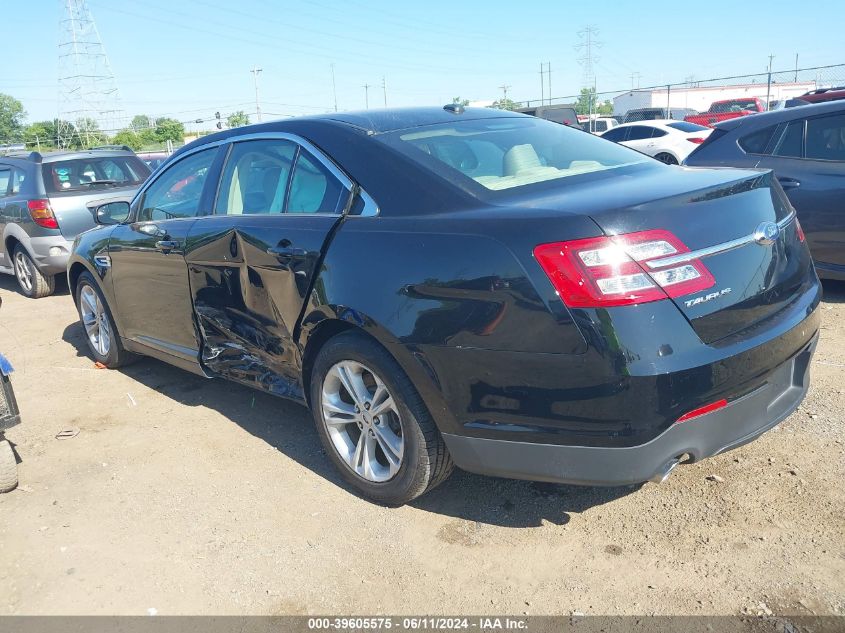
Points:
[(91, 173), (501, 154), (734, 106), (683, 126)]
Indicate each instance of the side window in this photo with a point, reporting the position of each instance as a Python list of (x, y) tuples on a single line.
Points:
[(616, 134), (826, 138), (177, 192), (5, 177), (18, 176), (313, 188), (657, 133), (791, 140), (638, 133), (599, 126), (756, 142), (255, 179)]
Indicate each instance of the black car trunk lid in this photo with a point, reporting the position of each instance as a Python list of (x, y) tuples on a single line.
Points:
[(743, 230)]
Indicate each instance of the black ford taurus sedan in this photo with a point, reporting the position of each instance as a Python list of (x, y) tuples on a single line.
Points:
[(464, 287)]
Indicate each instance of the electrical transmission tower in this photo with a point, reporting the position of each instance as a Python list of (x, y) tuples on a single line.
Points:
[(587, 48), (88, 97)]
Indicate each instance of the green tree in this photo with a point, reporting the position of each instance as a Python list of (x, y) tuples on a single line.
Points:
[(11, 118), (587, 103), (43, 134), (506, 104), (140, 122), (169, 130), (459, 101), (237, 119), (130, 138)]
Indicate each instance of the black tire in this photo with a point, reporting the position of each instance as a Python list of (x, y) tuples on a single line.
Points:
[(668, 159), (40, 285), (8, 467), (116, 356), (425, 463)]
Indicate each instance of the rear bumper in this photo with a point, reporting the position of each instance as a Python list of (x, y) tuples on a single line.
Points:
[(743, 420), (51, 253)]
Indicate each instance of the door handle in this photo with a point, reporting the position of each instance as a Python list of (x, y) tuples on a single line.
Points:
[(165, 246), (789, 183), (287, 253)]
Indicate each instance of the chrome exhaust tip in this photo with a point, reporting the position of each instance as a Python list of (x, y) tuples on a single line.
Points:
[(664, 471)]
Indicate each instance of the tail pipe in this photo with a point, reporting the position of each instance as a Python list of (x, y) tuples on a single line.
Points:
[(664, 471)]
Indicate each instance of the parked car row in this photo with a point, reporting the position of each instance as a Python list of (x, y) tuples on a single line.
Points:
[(804, 146), (668, 141)]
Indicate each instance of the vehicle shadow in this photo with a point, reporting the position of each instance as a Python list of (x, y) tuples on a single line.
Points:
[(834, 291), (288, 427), (10, 284)]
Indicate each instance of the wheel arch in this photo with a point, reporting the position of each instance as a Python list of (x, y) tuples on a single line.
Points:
[(74, 270), (327, 322), (15, 236)]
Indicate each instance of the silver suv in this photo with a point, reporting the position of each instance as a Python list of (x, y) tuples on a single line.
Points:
[(46, 200)]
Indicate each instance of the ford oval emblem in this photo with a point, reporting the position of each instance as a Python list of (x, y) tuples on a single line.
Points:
[(766, 233)]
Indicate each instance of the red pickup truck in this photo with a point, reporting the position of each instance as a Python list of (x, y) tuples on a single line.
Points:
[(727, 109)]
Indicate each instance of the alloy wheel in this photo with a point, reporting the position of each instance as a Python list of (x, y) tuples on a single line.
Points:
[(362, 421), (23, 272), (96, 320)]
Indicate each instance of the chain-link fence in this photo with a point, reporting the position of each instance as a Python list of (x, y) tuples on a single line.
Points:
[(757, 92)]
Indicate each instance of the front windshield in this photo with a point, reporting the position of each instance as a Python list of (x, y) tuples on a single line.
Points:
[(505, 153)]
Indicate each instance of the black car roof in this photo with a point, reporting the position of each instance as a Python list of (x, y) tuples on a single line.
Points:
[(370, 121), (763, 119), (392, 119)]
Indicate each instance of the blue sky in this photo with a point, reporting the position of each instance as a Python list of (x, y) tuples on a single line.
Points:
[(189, 58)]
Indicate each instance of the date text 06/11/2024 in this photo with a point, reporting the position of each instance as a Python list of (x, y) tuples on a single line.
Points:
[(480, 623)]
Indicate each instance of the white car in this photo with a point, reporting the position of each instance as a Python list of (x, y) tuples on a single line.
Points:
[(666, 140), (599, 125)]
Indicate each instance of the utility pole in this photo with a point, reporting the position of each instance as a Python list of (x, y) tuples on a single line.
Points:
[(334, 89), (549, 74), (769, 84), (255, 70), (633, 75), (367, 96), (504, 88), (384, 90), (796, 67), (542, 84)]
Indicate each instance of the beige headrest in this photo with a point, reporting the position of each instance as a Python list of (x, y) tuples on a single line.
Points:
[(520, 158)]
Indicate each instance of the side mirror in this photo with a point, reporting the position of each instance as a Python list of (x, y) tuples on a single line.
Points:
[(112, 213)]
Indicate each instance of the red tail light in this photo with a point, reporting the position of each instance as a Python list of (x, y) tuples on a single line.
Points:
[(707, 408), (611, 271), (800, 231), (696, 139), (42, 214)]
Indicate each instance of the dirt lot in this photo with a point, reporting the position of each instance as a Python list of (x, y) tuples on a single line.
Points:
[(183, 495)]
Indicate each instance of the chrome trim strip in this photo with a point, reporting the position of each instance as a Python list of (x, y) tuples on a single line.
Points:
[(712, 250)]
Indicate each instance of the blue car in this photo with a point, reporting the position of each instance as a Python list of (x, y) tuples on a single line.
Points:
[(805, 147)]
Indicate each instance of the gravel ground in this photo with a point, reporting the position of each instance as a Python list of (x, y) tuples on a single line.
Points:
[(182, 495)]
